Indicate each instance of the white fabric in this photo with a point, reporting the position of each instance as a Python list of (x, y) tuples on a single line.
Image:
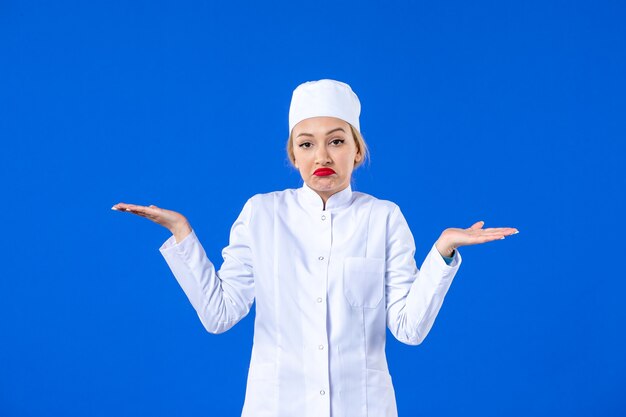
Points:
[(326, 284), (324, 98)]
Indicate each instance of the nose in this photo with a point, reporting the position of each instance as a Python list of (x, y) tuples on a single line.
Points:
[(321, 156)]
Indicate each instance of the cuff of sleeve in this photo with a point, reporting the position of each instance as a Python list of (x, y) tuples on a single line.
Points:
[(170, 244), (446, 262)]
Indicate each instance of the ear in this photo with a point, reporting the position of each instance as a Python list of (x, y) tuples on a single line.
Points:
[(358, 157)]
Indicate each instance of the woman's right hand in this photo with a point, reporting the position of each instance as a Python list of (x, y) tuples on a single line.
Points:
[(171, 220)]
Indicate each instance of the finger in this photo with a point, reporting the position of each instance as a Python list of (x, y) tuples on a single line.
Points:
[(477, 225), (142, 213), (123, 206), (481, 232), (486, 239), (503, 230), (136, 207), (151, 212), (139, 210), (481, 238), (118, 206)]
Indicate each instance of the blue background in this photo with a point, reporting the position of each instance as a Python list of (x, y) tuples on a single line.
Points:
[(508, 112)]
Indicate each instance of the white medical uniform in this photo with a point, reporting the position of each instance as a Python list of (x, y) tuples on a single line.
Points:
[(327, 283)]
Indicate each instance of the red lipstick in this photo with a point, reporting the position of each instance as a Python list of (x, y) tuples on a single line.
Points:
[(323, 172)]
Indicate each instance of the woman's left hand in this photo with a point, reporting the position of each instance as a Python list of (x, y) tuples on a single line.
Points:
[(453, 238)]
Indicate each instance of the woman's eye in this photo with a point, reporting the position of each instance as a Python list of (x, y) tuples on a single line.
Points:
[(337, 141), (305, 145)]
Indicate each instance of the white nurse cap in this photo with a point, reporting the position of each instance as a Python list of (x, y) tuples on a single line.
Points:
[(324, 98)]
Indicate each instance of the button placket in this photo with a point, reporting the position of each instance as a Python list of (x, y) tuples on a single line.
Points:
[(326, 231), (319, 351)]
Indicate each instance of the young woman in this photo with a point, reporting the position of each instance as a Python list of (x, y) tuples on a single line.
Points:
[(329, 268)]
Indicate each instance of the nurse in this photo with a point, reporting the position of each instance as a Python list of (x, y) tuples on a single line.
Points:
[(329, 268)]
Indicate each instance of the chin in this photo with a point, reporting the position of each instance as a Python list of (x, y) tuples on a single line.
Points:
[(324, 185)]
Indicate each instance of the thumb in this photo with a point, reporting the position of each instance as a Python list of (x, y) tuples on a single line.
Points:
[(477, 225)]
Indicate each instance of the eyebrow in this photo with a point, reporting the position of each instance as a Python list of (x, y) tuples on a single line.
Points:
[(327, 133)]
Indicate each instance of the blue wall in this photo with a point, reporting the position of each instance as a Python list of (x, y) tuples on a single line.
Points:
[(508, 112)]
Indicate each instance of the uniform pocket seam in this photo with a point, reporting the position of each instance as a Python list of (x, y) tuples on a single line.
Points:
[(363, 281)]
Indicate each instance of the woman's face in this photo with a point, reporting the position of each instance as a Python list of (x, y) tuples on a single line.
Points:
[(325, 153)]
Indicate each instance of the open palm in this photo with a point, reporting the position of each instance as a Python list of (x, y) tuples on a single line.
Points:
[(453, 238), (169, 219)]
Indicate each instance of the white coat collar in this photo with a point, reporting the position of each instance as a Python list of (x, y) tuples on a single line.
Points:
[(310, 198)]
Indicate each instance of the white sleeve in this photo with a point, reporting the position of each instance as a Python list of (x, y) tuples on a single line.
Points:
[(220, 298), (413, 296)]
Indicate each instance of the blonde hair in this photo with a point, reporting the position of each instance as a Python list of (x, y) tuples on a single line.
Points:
[(361, 147)]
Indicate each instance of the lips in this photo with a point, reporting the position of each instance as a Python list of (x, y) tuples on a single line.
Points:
[(323, 172)]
